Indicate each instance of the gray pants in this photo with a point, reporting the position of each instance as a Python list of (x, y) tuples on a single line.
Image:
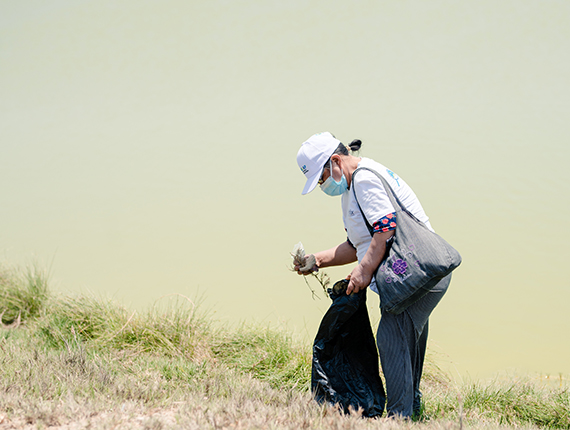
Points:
[(402, 341)]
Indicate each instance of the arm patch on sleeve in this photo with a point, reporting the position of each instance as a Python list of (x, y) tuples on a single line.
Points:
[(386, 223)]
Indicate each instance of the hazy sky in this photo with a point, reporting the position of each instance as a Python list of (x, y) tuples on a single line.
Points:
[(148, 148)]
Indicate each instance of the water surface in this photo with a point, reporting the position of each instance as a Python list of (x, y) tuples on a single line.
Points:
[(148, 148)]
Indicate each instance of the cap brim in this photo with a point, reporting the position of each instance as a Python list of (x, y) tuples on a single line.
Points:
[(312, 182)]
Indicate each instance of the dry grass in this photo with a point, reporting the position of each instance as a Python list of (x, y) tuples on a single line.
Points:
[(88, 363)]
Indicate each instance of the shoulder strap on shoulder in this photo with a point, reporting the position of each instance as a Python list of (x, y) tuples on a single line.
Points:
[(389, 190), (398, 205)]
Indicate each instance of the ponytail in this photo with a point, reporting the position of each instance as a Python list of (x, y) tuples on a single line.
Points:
[(355, 145), (343, 150)]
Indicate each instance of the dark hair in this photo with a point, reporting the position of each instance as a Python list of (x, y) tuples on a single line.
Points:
[(342, 149), (355, 145)]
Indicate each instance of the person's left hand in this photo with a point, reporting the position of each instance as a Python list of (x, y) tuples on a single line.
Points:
[(359, 280)]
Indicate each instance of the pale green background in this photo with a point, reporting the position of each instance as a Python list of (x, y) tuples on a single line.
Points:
[(148, 148)]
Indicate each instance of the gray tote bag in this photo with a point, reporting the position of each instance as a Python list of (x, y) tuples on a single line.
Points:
[(416, 260)]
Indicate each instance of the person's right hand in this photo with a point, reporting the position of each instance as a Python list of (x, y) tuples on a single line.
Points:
[(309, 266)]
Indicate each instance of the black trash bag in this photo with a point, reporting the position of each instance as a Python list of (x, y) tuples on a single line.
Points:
[(345, 359)]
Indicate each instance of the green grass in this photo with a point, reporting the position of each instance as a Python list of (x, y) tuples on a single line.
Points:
[(266, 354), (517, 402), (85, 361), (23, 294)]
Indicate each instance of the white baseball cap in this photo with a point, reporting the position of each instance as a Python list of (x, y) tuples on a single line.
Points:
[(313, 155)]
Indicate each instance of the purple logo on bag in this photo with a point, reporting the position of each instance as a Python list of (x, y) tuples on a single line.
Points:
[(399, 266)]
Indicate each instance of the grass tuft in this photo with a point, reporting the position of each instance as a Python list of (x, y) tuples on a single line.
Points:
[(519, 401), (267, 354), (176, 330), (23, 294)]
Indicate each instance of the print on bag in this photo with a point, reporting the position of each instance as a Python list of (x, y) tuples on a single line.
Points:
[(399, 266), (394, 268)]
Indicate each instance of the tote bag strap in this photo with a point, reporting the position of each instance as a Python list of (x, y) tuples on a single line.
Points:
[(398, 205)]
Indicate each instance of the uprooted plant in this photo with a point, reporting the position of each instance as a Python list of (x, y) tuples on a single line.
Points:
[(299, 259)]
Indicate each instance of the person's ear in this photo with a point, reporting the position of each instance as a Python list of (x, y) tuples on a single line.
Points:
[(335, 161)]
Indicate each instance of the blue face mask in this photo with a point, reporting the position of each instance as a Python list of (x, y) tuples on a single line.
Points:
[(334, 188)]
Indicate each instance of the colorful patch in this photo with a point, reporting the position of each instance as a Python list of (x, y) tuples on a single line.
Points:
[(386, 223)]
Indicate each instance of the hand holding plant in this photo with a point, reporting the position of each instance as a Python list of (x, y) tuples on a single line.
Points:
[(307, 265)]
